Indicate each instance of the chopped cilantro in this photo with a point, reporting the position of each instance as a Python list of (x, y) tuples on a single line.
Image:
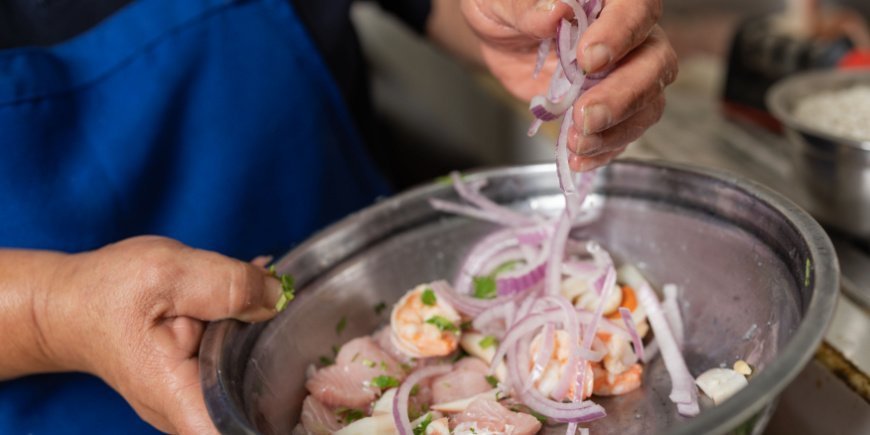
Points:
[(429, 297), (507, 266), (349, 415), (339, 327), (380, 307), (288, 292), (421, 428), (465, 326), (384, 366), (326, 361), (335, 349), (406, 367), (384, 381), (492, 380), (487, 342), (484, 287), (807, 273), (368, 363), (541, 417), (472, 430), (273, 271), (442, 323), (415, 390)]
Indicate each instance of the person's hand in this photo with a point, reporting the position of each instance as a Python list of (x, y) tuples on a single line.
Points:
[(625, 37), (132, 313)]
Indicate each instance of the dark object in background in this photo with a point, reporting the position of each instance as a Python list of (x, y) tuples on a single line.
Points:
[(761, 55)]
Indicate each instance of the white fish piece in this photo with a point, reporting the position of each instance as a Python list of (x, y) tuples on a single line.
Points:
[(384, 405), (462, 404), (374, 425), (719, 384), (440, 426), (470, 342)]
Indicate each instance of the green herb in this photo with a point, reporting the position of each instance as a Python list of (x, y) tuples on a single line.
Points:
[(288, 292), (487, 342), (421, 428), (524, 409), (384, 381), (341, 325), (472, 430), (415, 390), (461, 353), (429, 297), (465, 326), (368, 363), (507, 266), (326, 361), (349, 415), (442, 323), (384, 366), (335, 349), (273, 271), (406, 367), (380, 307), (484, 287), (492, 380)]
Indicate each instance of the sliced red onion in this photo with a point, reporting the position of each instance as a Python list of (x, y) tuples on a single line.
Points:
[(567, 56), (542, 359), (547, 110), (632, 330), (671, 309), (400, 402), (536, 125), (682, 383), (580, 268), (464, 210), (557, 254), (650, 351), (543, 51), (471, 193), (503, 312)]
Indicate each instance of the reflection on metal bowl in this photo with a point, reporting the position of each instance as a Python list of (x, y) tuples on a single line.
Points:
[(835, 170), (759, 282)]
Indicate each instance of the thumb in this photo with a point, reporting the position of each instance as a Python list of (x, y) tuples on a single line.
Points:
[(186, 411), (215, 287)]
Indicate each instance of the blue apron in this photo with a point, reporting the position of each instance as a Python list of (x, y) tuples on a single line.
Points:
[(214, 122)]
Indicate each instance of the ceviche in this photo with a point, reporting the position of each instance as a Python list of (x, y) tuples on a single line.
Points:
[(535, 326)]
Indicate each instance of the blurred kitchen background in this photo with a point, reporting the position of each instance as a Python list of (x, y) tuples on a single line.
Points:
[(438, 115)]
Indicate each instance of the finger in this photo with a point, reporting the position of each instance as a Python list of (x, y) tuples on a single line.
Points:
[(618, 136), (583, 164), (185, 407), (262, 260), (638, 80), (514, 25), (621, 26), (214, 287)]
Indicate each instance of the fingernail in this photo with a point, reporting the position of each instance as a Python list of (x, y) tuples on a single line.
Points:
[(595, 118), (595, 57), (273, 291), (588, 145), (545, 5)]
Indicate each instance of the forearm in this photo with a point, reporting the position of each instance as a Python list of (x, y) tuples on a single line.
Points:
[(447, 28), (24, 292)]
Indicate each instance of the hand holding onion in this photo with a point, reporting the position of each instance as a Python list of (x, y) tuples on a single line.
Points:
[(624, 43)]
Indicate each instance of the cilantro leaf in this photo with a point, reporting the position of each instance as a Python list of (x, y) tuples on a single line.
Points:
[(484, 287), (492, 380), (368, 363), (326, 361), (487, 342), (380, 307), (421, 428), (288, 292), (414, 390), (507, 266), (442, 323), (349, 415), (429, 297), (384, 381)]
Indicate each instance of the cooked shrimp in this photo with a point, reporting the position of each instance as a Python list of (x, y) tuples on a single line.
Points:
[(609, 384), (618, 349), (629, 300), (578, 289), (424, 325), (549, 377)]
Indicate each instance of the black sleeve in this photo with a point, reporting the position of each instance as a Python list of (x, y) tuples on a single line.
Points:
[(413, 12)]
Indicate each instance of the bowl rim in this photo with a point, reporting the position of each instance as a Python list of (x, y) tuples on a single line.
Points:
[(762, 389), (779, 99)]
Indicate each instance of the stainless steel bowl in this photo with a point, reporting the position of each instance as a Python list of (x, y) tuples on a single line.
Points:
[(834, 170), (759, 282)]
